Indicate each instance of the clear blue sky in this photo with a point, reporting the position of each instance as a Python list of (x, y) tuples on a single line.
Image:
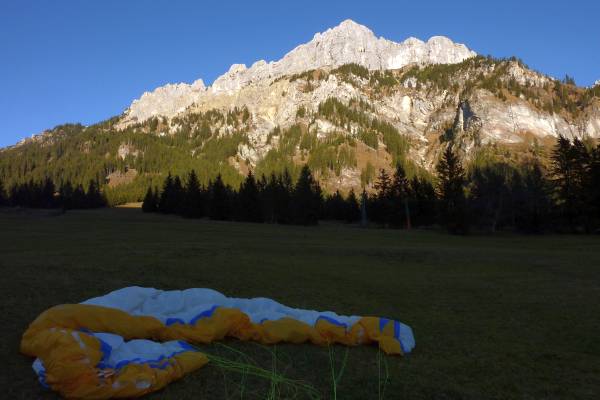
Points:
[(84, 61)]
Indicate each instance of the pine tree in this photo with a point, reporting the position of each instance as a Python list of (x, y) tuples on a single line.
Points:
[(401, 195), (383, 185), (425, 200), (364, 201), (268, 193), (47, 194), (569, 80), (581, 167), (193, 197), (65, 195), (490, 194), (451, 178), (171, 198), (178, 195), (22, 195), (283, 198), (165, 203), (93, 197), (382, 205), (268, 197), (533, 209), (248, 201), (565, 179), (150, 203), (78, 200), (219, 205), (306, 199), (352, 208), (334, 207)]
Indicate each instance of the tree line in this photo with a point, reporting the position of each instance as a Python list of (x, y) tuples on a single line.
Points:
[(492, 196), (46, 194), (276, 199)]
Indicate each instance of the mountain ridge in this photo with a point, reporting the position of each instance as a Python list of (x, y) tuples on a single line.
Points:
[(349, 42)]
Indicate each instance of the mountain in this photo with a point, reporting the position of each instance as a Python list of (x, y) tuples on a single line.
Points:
[(347, 43), (347, 103)]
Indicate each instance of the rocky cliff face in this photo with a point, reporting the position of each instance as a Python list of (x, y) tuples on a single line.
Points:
[(166, 100), (347, 43)]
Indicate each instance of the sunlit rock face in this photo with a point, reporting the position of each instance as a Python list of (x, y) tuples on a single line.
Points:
[(166, 101), (347, 43)]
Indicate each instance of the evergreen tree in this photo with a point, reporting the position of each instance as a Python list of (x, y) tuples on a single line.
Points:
[(382, 205), (170, 201), (383, 185), (352, 208), (283, 198), (569, 80), (248, 201), (364, 202), (490, 194), (93, 197), (47, 194), (583, 159), (193, 197), (65, 195), (268, 193), (424, 200), (165, 195), (20, 195), (533, 209), (401, 194), (78, 199), (451, 178), (566, 179), (178, 196), (219, 206), (30, 194), (150, 203), (268, 197), (306, 199), (334, 207)]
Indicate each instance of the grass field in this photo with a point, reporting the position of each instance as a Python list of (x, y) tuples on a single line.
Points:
[(494, 317)]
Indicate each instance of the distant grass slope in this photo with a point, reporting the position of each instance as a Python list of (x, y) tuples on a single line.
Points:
[(494, 317)]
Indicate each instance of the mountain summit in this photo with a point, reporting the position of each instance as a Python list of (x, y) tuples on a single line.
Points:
[(347, 43)]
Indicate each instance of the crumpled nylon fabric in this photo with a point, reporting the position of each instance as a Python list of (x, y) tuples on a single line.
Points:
[(134, 341)]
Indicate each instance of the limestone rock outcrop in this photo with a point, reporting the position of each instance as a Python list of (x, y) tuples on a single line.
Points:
[(347, 43)]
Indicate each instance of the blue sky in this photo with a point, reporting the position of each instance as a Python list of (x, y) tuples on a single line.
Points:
[(84, 61)]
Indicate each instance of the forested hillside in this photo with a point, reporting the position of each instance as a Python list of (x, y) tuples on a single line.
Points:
[(346, 141)]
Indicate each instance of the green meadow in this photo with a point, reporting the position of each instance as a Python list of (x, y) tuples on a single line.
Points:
[(494, 317)]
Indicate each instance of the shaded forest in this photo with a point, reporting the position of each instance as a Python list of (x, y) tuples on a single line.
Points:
[(489, 197)]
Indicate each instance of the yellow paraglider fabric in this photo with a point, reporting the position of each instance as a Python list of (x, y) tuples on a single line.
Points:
[(74, 360)]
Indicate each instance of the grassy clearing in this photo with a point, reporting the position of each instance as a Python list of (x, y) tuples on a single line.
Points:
[(494, 317)]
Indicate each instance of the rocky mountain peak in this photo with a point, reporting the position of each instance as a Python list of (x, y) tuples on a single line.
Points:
[(349, 28), (349, 42), (348, 33)]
